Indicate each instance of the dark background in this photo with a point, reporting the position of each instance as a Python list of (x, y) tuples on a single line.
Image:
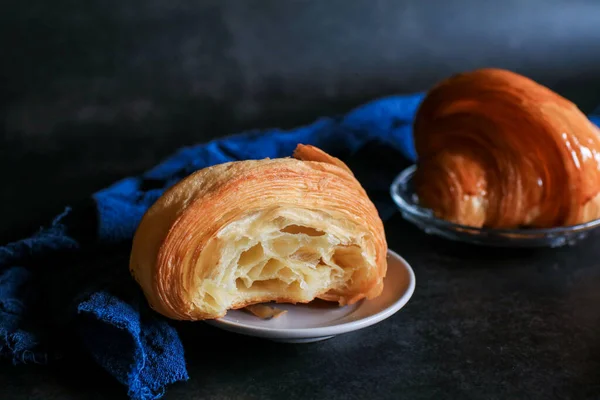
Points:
[(92, 91)]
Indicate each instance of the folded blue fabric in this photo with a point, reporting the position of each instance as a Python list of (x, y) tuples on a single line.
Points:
[(69, 284)]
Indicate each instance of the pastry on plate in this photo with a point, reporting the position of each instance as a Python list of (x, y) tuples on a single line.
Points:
[(285, 230), (496, 149)]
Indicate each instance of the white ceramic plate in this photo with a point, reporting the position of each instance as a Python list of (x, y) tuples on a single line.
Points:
[(319, 320)]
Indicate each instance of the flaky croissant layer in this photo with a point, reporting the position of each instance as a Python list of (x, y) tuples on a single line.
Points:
[(241, 233), (497, 149)]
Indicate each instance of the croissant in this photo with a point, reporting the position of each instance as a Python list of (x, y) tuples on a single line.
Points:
[(241, 233), (496, 149)]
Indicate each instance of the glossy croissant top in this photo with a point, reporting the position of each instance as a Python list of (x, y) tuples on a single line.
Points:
[(496, 149), (236, 234)]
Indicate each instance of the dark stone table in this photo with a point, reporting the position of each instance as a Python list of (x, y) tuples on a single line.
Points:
[(482, 324), (94, 91)]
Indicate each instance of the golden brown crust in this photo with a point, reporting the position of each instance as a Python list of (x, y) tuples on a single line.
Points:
[(178, 248), (311, 153), (264, 311), (497, 149)]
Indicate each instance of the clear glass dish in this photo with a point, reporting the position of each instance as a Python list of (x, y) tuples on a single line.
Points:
[(402, 191)]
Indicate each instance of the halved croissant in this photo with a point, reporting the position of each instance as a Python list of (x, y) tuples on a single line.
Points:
[(497, 149), (241, 233)]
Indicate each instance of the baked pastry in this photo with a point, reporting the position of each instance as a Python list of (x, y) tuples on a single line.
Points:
[(497, 149), (241, 233)]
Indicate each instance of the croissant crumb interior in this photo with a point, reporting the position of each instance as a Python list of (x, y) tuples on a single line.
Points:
[(284, 257), (286, 230)]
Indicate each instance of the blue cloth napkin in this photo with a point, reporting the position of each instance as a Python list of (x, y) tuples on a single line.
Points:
[(69, 284)]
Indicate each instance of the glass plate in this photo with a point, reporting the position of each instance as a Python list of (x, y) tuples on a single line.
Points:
[(402, 191)]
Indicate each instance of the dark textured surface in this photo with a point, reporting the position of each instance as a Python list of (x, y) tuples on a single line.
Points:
[(482, 324), (92, 91)]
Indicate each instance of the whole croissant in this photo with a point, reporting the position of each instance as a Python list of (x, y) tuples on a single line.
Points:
[(499, 150), (285, 230)]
